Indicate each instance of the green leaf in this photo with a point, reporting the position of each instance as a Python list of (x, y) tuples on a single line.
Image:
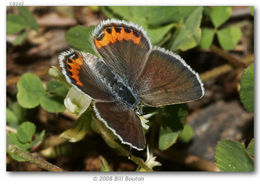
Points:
[(173, 119), (229, 37), (79, 37), (186, 134), (220, 14), (80, 128), (108, 12), (157, 34), (12, 139), (250, 148), (11, 118), (52, 103), (56, 88), (158, 15), (124, 11), (232, 156), (207, 11), (20, 38), (14, 24), (247, 88), (37, 140), (56, 73), (19, 111), (139, 14), (136, 14), (207, 37), (25, 132), (103, 164), (188, 36), (30, 90), (153, 15), (28, 17)]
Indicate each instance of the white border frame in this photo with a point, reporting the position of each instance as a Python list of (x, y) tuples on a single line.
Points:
[(157, 178)]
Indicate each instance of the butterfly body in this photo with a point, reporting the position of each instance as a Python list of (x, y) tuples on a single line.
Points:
[(119, 90), (129, 73)]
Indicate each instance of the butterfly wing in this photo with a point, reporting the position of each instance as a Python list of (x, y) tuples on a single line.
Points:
[(123, 122), (167, 79), (79, 70), (123, 47)]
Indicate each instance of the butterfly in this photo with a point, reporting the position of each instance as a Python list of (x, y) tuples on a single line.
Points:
[(128, 74)]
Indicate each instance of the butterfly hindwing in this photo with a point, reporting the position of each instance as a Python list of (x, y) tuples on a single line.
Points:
[(123, 122)]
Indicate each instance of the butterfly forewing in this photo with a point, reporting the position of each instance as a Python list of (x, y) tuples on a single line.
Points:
[(167, 79), (124, 48), (80, 71)]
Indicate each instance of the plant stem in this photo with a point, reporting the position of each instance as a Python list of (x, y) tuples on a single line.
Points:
[(231, 59), (224, 69), (215, 72), (35, 159), (109, 139), (53, 141)]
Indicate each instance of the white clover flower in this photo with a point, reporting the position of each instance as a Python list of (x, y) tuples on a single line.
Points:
[(70, 106), (150, 160), (77, 102), (144, 119)]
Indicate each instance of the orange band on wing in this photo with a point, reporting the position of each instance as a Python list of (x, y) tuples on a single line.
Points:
[(75, 67), (116, 36)]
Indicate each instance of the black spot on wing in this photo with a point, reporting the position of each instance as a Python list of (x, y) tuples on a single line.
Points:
[(136, 33), (127, 29), (109, 30), (68, 66), (69, 60), (118, 29)]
